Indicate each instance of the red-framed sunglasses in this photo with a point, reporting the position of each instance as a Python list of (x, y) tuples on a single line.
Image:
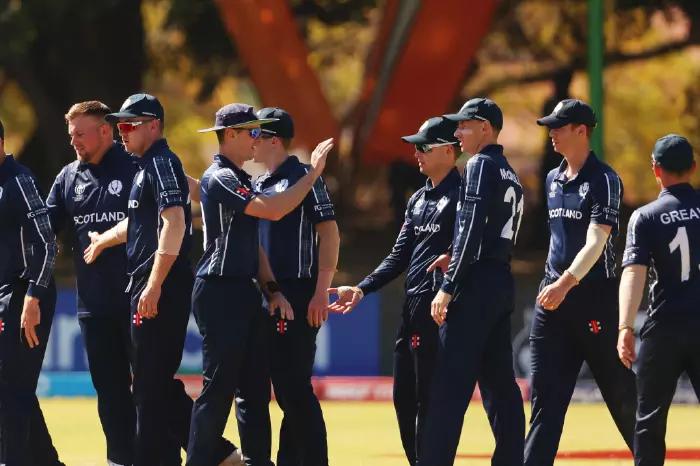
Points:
[(126, 127)]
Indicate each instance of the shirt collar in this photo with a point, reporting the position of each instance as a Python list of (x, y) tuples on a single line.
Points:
[(680, 188), (444, 185), (157, 147), (584, 174), (222, 161), (492, 149), (114, 151)]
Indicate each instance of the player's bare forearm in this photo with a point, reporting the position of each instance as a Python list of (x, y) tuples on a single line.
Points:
[(328, 251), (265, 273), (169, 242), (632, 284)]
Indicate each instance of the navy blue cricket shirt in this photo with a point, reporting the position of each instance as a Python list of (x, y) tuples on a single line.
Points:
[(489, 214), (94, 197), (27, 241), (230, 236), (665, 235), (425, 234), (291, 243), (160, 183), (592, 196)]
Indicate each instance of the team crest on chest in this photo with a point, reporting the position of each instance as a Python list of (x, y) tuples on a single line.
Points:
[(553, 189), (79, 190), (281, 185), (115, 187), (583, 189), (442, 203)]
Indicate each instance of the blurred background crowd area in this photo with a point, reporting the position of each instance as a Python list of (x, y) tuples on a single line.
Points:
[(365, 72)]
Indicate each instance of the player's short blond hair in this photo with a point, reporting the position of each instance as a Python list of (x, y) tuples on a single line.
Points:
[(90, 108)]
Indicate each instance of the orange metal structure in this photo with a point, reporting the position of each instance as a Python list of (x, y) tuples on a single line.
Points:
[(269, 43)]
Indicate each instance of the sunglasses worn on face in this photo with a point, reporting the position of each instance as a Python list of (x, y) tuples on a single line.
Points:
[(129, 126), (425, 148)]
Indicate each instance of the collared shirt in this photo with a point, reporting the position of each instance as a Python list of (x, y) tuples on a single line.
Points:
[(291, 243), (160, 183), (665, 235), (94, 197), (27, 241), (230, 236), (592, 196), (489, 214), (426, 233)]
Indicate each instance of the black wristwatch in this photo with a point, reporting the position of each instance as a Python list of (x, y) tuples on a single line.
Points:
[(272, 287)]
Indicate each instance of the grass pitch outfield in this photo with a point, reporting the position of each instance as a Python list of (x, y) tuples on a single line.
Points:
[(365, 434)]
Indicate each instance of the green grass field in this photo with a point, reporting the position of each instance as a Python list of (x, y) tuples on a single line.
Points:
[(365, 434)]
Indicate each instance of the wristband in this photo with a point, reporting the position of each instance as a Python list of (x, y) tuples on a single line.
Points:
[(625, 326)]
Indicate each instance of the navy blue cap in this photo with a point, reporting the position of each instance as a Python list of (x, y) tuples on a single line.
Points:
[(138, 105), (282, 127), (570, 111), (673, 152), (236, 116), (435, 130), (479, 108)]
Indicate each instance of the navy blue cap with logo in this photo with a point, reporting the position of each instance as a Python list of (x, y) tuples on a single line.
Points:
[(673, 152), (434, 132), (479, 108), (138, 105), (282, 127), (570, 111), (239, 116)]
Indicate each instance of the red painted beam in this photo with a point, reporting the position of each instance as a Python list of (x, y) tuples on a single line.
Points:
[(269, 43), (442, 43)]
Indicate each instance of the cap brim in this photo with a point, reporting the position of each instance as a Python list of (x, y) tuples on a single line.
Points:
[(112, 117), (552, 121), (415, 139), (463, 117), (245, 125)]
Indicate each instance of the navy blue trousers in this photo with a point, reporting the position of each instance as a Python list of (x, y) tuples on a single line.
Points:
[(583, 328), (303, 439), (415, 354), (24, 438), (475, 344), (235, 362), (163, 408), (668, 349), (108, 345)]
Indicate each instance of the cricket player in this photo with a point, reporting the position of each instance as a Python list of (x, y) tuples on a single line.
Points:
[(425, 235), (576, 311), (303, 250), (27, 303), (663, 238), (475, 301)]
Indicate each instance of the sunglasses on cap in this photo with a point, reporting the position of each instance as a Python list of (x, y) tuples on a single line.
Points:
[(425, 148), (126, 127)]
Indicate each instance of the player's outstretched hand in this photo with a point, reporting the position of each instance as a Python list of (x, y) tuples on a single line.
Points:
[(442, 262), (625, 347), (318, 309), (278, 301), (93, 251), (348, 298), (31, 317), (438, 308), (318, 156)]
